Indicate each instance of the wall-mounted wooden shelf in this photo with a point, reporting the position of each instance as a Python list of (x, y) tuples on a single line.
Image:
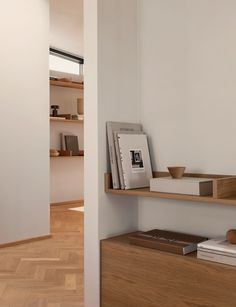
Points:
[(75, 85), (224, 190), (64, 157), (58, 120)]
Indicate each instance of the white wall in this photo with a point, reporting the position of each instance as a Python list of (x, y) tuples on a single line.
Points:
[(110, 94), (24, 95), (67, 179), (187, 104), (66, 25)]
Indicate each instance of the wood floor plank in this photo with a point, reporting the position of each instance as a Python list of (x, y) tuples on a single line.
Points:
[(46, 273)]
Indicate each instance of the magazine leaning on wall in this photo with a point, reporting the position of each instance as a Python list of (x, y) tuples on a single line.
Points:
[(135, 160), (111, 128)]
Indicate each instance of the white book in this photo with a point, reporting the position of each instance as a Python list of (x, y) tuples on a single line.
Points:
[(122, 127), (135, 160), (219, 244), (216, 257), (118, 156), (184, 185)]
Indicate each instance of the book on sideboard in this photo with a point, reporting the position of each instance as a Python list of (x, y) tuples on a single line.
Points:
[(169, 241), (217, 250)]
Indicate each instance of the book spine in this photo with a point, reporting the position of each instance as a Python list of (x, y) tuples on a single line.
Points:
[(216, 258), (156, 245), (112, 155), (118, 155), (125, 182), (62, 138)]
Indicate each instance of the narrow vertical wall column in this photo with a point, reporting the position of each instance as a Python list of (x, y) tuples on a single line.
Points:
[(91, 238)]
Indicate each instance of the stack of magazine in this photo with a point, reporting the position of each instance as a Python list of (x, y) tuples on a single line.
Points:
[(217, 250), (129, 155)]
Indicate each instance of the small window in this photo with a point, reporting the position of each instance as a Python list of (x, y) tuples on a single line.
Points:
[(61, 61)]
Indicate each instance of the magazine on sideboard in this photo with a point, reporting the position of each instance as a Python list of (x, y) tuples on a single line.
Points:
[(169, 241)]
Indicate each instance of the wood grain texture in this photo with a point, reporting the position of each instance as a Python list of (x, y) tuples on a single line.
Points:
[(140, 277), (47, 273), (145, 192), (224, 187), (75, 85)]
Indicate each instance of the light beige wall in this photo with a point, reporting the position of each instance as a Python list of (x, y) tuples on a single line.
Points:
[(66, 25), (24, 95), (187, 104)]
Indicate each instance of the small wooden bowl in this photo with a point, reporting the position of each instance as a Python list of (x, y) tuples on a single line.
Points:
[(176, 171), (54, 153)]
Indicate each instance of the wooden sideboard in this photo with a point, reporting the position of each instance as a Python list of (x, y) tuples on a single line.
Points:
[(133, 276)]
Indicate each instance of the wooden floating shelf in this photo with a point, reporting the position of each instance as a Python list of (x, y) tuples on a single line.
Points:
[(64, 154), (75, 85), (224, 189), (63, 157), (66, 120)]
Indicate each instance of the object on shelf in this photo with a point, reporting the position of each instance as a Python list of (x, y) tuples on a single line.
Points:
[(57, 118), (54, 153), (231, 236), (111, 128), (118, 155), (53, 79), (176, 171), (65, 153), (184, 185), (217, 250), (74, 85), (80, 106), (135, 160), (66, 116), (169, 241), (72, 144), (55, 109), (66, 77), (77, 117), (63, 120)]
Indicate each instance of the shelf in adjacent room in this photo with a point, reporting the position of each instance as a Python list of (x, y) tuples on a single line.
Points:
[(60, 120), (63, 157), (75, 85), (224, 190)]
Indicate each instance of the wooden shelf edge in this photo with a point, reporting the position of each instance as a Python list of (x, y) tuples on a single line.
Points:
[(66, 121), (74, 85), (80, 156), (145, 192)]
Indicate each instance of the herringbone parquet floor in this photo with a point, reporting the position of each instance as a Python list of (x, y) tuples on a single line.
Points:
[(47, 273)]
